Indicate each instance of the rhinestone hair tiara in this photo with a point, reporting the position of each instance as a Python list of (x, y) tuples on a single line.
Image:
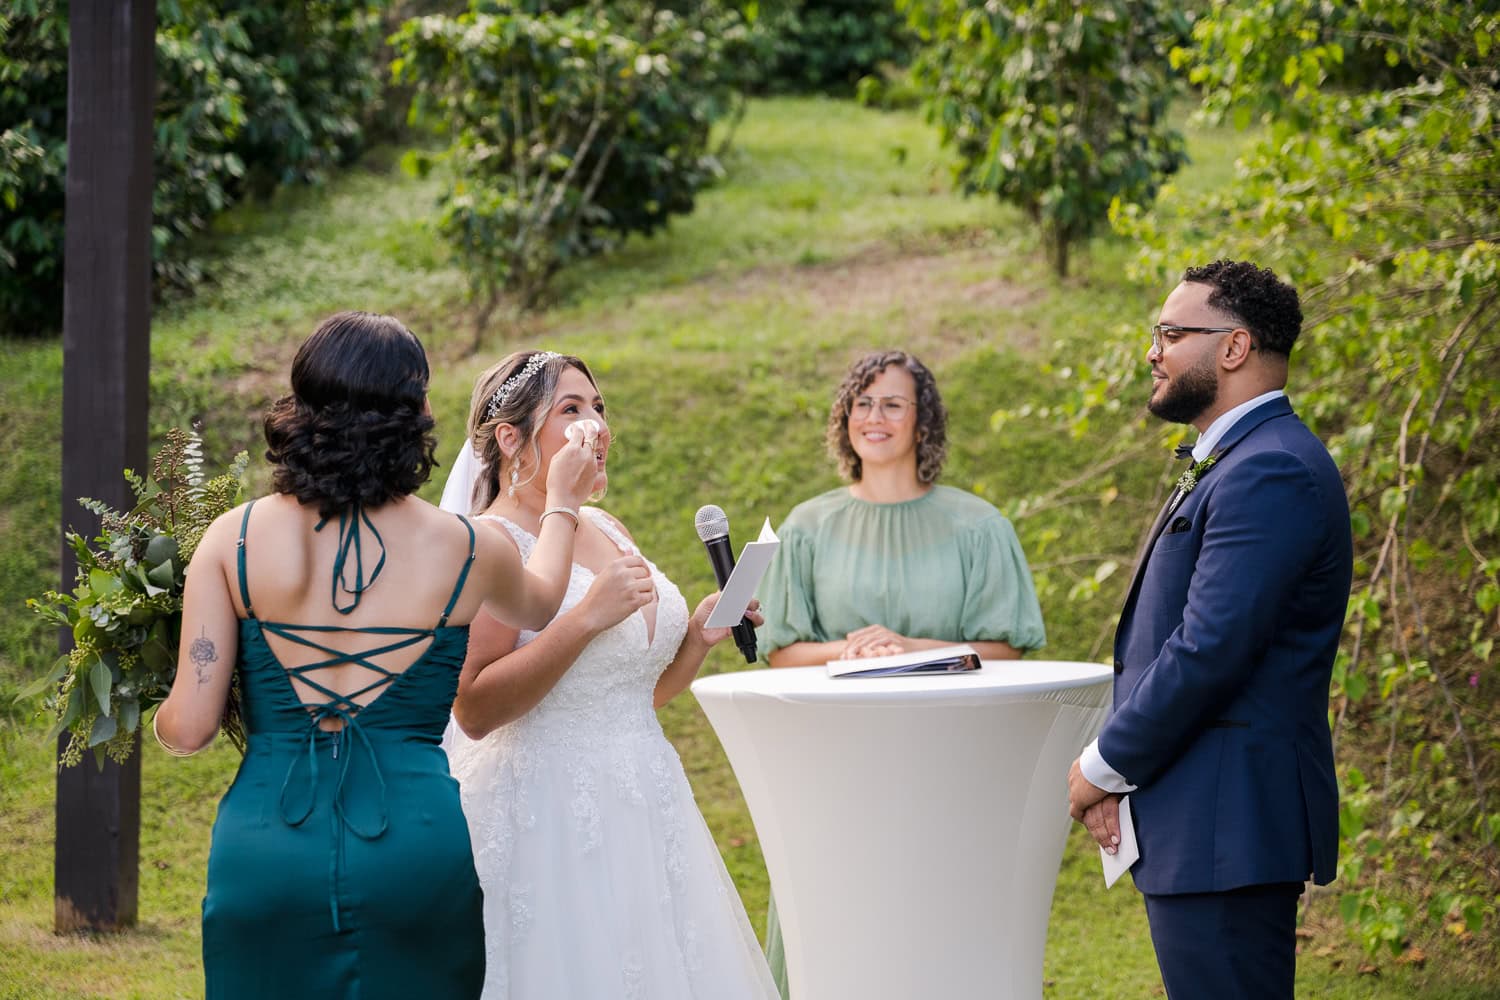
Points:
[(528, 371)]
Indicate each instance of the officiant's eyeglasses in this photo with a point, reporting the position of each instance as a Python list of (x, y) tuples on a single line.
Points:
[(893, 408), (1166, 333)]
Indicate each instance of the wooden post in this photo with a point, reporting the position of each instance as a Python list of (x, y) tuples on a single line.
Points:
[(106, 353)]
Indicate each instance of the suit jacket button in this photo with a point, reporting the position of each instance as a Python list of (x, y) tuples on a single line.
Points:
[(1119, 667)]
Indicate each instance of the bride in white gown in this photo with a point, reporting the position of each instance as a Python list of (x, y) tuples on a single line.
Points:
[(600, 878)]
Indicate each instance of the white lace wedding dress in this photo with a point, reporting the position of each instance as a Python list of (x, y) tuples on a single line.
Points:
[(601, 880)]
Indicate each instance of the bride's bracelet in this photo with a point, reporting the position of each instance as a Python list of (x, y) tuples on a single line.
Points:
[(559, 510), (169, 748)]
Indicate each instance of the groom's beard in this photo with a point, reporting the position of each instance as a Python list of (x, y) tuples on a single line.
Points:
[(1189, 394)]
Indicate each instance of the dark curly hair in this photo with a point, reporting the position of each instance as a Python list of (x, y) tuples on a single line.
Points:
[(355, 428), (1257, 298), (932, 416)]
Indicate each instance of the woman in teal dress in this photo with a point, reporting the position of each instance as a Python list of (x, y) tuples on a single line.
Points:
[(340, 865), (893, 562)]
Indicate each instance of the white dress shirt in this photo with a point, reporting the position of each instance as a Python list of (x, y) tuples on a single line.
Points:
[(1093, 765)]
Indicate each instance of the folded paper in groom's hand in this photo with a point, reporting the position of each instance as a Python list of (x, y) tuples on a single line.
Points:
[(942, 660), (1127, 852)]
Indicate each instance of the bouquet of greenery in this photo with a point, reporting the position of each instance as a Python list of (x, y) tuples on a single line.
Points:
[(125, 612)]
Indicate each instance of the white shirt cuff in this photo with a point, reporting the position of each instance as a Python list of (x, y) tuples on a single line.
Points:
[(1097, 770)]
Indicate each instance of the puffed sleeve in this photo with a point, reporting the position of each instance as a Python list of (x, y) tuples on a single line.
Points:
[(786, 595), (1000, 602)]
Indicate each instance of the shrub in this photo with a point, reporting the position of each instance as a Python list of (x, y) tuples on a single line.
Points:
[(250, 96), (569, 130), (828, 45), (1052, 105)]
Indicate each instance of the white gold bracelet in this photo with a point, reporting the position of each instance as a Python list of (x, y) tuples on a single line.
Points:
[(559, 510)]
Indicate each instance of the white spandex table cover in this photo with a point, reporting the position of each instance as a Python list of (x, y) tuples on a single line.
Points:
[(912, 826)]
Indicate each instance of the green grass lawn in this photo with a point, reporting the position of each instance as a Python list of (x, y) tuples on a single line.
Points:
[(717, 345)]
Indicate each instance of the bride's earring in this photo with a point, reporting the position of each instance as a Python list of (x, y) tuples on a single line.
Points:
[(515, 480)]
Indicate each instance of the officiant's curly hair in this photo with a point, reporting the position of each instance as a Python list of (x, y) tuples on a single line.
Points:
[(355, 428), (932, 416)]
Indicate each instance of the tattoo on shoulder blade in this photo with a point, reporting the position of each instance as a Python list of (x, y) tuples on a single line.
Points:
[(203, 652)]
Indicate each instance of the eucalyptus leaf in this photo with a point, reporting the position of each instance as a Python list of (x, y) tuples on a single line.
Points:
[(100, 681), (104, 729), (74, 709), (47, 682), (130, 715), (160, 549), (163, 576), (103, 582), (156, 655)]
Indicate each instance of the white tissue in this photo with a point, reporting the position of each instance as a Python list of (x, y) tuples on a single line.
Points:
[(586, 430)]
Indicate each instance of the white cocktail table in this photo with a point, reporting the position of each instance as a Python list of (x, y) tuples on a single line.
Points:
[(912, 826)]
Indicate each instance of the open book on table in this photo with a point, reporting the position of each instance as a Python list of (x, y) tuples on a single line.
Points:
[(942, 660)]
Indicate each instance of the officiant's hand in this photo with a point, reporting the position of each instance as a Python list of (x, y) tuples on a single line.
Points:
[(618, 591), (714, 636), (874, 640), (1102, 819)]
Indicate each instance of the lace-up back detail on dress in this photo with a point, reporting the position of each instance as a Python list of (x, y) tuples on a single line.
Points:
[(341, 864)]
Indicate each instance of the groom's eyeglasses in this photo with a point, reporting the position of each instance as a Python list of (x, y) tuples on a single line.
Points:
[(1166, 333)]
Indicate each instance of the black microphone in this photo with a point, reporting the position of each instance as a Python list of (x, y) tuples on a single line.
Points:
[(713, 530)]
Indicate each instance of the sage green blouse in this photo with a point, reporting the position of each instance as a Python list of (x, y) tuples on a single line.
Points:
[(946, 565)]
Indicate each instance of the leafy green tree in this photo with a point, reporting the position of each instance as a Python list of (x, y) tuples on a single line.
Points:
[(250, 95), (569, 130), (1374, 189), (1056, 106)]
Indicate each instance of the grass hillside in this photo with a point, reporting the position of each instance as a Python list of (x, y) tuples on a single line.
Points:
[(717, 346)]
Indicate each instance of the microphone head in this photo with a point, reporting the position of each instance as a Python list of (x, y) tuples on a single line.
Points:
[(711, 522)]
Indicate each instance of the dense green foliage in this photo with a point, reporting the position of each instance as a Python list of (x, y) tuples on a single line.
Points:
[(808, 46), (568, 130), (1378, 198), (1056, 106), (250, 95)]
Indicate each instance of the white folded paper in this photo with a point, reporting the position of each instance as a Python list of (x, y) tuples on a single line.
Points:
[(739, 590), (1127, 852)]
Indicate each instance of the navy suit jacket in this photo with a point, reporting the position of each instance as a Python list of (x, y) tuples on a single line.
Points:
[(1223, 659)]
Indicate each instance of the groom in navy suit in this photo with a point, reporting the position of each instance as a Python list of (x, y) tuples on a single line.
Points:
[(1219, 732)]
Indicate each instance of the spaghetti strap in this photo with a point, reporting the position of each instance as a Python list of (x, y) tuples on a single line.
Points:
[(463, 575), (239, 558)]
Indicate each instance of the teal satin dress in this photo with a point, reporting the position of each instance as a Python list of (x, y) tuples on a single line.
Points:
[(341, 865)]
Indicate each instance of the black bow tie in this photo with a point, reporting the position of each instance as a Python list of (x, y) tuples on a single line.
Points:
[(1184, 450)]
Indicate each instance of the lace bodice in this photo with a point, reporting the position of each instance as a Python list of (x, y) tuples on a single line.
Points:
[(607, 693)]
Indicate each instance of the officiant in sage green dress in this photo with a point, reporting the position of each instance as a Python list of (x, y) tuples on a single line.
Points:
[(893, 562)]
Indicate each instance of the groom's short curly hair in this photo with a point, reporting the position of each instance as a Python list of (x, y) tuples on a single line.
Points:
[(1255, 297)]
